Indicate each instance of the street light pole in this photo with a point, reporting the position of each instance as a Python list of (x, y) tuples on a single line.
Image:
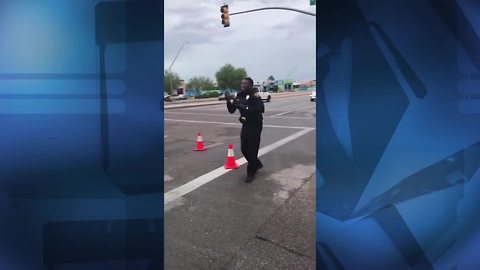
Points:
[(169, 69)]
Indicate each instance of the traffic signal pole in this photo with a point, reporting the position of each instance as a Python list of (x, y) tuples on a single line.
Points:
[(226, 16), (284, 8)]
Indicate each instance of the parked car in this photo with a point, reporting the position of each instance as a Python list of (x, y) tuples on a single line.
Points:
[(313, 95), (166, 97), (264, 94), (170, 98)]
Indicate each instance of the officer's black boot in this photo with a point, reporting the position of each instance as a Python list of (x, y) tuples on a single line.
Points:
[(250, 173), (249, 178)]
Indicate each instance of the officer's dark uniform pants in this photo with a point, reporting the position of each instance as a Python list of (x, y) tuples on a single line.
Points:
[(250, 140)]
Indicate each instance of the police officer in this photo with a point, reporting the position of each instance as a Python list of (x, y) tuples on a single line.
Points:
[(251, 107)]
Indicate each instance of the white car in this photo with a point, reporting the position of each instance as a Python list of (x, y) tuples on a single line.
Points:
[(313, 95), (264, 94), (166, 97)]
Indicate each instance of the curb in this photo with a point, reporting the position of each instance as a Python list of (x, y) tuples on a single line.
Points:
[(192, 104)]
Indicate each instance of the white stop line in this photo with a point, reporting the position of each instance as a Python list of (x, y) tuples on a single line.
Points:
[(202, 180)]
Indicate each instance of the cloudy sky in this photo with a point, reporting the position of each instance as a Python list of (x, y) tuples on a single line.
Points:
[(268, 42)]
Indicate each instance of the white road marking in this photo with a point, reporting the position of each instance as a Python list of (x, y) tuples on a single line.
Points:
[(299, 109), (204, 179), (294, 117), (214, 144), (209, 114), (214, 114), (232, 124)]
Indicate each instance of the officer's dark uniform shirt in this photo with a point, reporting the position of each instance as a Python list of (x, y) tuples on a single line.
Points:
[(251, 108)]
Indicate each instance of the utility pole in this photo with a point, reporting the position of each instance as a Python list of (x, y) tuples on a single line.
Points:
[(170, 68)]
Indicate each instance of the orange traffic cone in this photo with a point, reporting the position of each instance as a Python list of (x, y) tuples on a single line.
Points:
[(231, 163), (200, 146)]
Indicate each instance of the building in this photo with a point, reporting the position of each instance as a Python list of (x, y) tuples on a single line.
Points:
[(181, 87), (277, 85), (304, 85), (284, 85)]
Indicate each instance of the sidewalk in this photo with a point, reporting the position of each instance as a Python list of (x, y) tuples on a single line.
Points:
[(244, 231), (287, 239), (214, 101)]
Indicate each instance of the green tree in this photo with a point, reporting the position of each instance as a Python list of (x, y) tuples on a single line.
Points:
[(229, 77), (175, 81), (271, 78), (203, 83)]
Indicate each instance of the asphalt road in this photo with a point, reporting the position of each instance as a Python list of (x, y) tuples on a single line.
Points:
[(212, 217)]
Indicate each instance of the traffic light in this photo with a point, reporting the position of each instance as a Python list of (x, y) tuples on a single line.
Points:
[(225, 16)]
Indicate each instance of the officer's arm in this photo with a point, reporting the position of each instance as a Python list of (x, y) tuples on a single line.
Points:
[(231, 106)]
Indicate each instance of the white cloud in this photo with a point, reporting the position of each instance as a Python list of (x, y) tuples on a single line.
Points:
[(269, 42)]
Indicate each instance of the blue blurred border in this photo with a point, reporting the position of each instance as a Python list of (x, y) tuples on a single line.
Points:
[(398, 134), (81, 134)]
